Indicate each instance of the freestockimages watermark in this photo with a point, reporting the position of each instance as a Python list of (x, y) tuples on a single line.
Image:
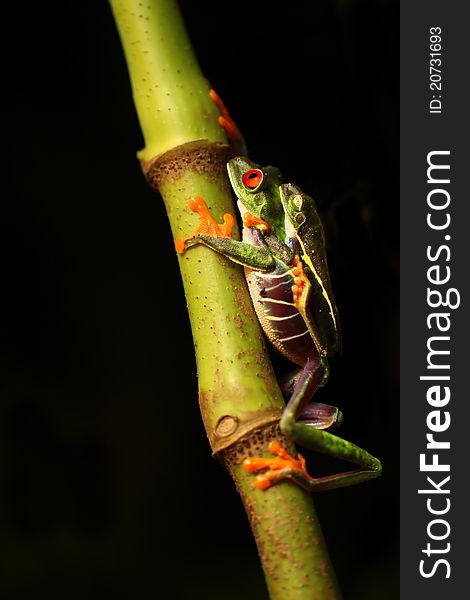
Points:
[(441, 299)]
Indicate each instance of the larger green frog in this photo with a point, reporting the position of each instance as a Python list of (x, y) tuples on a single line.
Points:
[(283, 252)]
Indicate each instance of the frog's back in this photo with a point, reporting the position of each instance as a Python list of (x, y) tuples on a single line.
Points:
[(324, 313)]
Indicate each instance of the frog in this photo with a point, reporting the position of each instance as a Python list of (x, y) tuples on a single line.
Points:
[(232, 131), (283, 254)]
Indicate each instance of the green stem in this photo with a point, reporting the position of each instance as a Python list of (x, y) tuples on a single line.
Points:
[(169, 90), (240, 401)]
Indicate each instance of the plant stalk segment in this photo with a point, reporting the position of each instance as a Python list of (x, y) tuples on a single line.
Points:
[(186, 155)]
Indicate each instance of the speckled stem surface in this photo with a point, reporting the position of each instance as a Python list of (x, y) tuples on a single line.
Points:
[(185, 155)]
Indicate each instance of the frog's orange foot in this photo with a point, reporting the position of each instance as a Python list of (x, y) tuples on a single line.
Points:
[(250, 220), (282, 467), (208, 226), (225, 120)]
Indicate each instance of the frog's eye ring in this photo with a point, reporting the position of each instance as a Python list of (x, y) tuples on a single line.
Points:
[(252, 178), (297, 201)]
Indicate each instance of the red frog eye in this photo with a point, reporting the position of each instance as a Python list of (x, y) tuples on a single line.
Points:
[(252, 178)]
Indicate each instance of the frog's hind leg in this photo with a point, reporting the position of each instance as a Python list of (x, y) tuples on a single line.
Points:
[(303, 425), (315, 414), (307, 381), (321, 416)]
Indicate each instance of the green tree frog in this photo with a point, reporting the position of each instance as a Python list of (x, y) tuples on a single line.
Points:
[(283, 253)]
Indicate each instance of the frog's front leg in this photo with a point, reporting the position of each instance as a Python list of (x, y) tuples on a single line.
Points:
[(311, 435), (217, 237)]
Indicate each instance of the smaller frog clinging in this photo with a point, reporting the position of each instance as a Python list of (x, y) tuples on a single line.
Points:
[(283, 253)]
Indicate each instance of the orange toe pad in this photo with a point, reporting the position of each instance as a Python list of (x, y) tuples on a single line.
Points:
[(208, 226), (274, 466)]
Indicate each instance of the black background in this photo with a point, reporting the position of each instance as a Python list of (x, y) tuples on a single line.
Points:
[(107, 485)]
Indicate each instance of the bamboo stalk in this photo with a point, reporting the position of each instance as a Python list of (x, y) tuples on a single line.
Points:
[(185, 154)]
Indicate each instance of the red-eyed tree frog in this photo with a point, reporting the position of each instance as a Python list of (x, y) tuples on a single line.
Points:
[(283, 253)]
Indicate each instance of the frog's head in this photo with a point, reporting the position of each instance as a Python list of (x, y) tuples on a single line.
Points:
[(257, 190), (294, 202), (301, 215)]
